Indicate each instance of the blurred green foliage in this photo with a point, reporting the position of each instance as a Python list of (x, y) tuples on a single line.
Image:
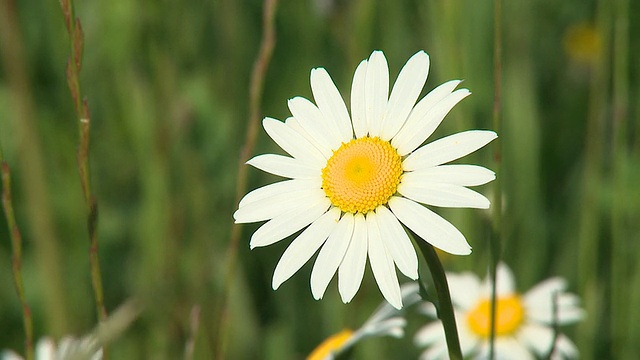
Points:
[(167, 87)]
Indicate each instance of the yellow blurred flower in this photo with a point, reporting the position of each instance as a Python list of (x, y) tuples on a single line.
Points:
[(583, 43)]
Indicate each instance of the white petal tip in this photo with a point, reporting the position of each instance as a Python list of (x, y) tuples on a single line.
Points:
[(396, 305), (421, 54), (463, 92), (316, 292), (458, 251), (346, 298), (253, 244)]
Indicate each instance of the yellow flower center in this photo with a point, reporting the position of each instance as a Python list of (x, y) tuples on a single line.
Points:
[(509, 316), (330, 345), (362, 174), (583, 43)]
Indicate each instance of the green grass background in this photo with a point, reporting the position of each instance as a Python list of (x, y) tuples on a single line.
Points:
[(167, 86)]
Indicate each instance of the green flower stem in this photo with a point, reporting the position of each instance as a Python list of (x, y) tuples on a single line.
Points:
[(16, 242), (445, 307)]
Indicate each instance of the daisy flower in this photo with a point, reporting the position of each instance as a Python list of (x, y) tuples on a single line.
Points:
[(385, 321), (68, 348), (355, 178), (524, 324)]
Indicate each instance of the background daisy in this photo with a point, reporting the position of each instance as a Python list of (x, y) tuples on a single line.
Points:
[(68, 348), (356, 177), (385, 321), (524, 322)]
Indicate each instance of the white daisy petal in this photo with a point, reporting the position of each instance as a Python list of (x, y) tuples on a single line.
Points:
[(539, 338), (429, 226), (46, 348), (427, 115), (304, 246), (393, 327), (291, 142), (330, 103), (543, 292), (331, 256), (404, 94), (463, 175), (432, 336), (447, 149), (280, 188), (352, 267), (469, 342), (313, 122), (358, 105), (505, 281), (295, 125), (429, 334), (464, 289), (510, 349), (271, 207), (397, 242), (382, 265), (12, 355), (428, 309), (376, 91), (539, 302), (436, 352), (410, 296), (564, 349), (288, 223), (284, 166), (443, 195), (436, 95), (567, 309)]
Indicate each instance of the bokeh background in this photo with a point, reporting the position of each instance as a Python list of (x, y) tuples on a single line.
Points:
[(167, 84)]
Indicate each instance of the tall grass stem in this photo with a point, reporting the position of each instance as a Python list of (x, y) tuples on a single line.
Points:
[(256, 89), (16, 243), (31, 168), (74, 65), (495, 241), (620, 265)]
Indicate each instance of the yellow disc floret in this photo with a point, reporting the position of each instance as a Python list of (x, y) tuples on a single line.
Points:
[(330, 345), (362, 174), (509, 316)]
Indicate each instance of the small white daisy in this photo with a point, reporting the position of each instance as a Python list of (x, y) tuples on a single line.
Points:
[(385, 321), (355, 179), (524, 323), (68, 348)]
